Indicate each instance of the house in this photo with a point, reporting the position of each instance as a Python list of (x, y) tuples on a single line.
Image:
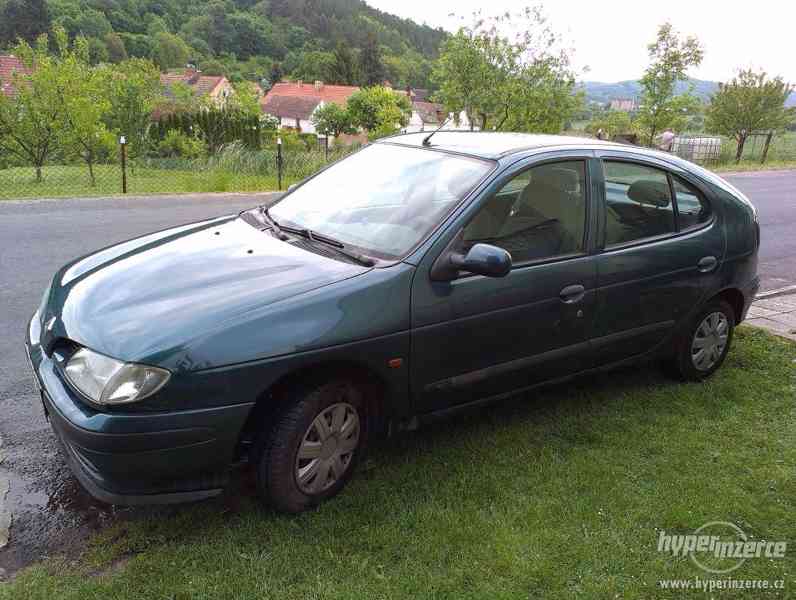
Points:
[(294, 102), (216, 87), (623, 104), (10, 64)]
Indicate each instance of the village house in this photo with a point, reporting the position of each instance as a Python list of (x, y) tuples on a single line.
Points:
[(294, 102), (216, 87), (9, 64)]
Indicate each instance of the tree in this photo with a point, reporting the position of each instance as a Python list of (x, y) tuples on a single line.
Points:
[(85, 104), (331, 119), (522, 83), (169, 51), (115, 46), (133, 90), (750, 102), (343, 70), (379, 110), (23, 20), (670, 59), (245, 99), (30, 119), (370, 64), (613, 122)]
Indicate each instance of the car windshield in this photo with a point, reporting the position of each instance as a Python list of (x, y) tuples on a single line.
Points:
[(382, 200)]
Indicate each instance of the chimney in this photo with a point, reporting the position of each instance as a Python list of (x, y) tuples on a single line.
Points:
[(318, 85)]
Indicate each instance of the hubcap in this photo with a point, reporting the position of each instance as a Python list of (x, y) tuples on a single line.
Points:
[(327, 448), (709, 341)]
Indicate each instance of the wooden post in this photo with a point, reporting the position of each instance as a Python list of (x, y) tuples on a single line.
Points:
[(765, 148), (123, 144), (279, 163)]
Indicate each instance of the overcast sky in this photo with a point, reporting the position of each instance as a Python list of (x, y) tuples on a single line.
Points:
[(611, 36)]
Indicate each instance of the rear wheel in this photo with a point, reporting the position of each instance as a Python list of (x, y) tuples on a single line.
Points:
[(703, 345), (313, 447)]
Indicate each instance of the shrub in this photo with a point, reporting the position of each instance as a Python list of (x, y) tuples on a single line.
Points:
[(176, 144)]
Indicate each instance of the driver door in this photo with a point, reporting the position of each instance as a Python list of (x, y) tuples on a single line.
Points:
[(477, 337)]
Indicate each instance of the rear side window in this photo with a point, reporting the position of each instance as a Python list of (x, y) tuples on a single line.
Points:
[(638, 203), (692, 208)]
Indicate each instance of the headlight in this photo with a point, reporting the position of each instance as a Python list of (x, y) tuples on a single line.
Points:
[(108, 381)]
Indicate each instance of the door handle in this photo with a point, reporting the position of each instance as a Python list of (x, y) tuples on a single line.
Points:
[(572, 294), (707, 264)]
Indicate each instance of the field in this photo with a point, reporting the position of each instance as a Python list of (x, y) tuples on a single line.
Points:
[(558, 494)]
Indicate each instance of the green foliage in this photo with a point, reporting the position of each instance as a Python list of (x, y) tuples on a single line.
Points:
[(23, 20), (612, 122), (245, 99), (332, 119), (523, 84), (379, 110), (133, 90), (31, 119), (670, 59), (750, 102), (176, 144), (169, 51), (115, 47), (314, 65), (370, 63), (216, 127), (344, 70)]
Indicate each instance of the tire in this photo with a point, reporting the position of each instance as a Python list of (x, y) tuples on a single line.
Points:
[(710, 331), (313, 447)]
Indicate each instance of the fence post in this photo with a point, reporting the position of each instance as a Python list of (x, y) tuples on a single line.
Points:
[(279, 162), (765, 148), (326, 146), (123, 148)]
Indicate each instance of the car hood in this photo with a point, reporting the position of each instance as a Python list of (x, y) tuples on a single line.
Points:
[(146, 299)]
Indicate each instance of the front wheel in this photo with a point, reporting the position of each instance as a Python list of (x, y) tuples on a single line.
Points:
[(312, 449), (703, 345)]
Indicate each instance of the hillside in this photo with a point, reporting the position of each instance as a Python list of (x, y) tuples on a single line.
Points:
[(603, 93), (250, 39)]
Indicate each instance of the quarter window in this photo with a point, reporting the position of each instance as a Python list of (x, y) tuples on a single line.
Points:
[(638, 203), (540, 213), (692, 208)]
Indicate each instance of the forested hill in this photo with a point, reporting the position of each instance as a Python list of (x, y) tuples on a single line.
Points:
[(266, 39)]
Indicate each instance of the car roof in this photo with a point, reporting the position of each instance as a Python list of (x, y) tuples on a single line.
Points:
[(495, 144)]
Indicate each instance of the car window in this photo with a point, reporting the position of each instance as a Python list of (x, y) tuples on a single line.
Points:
[(383, 199), (540, 213), (638, 202), (692, 208)]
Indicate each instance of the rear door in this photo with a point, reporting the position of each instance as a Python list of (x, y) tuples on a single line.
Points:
[(661, 242)]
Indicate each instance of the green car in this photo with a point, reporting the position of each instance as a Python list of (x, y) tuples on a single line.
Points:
[(422, 275)]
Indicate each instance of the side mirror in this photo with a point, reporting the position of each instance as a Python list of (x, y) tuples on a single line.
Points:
[(482, 259)]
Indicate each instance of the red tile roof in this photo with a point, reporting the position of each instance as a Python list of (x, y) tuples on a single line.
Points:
[(9, 64), (290, 107), (200, 84), (321, 91)]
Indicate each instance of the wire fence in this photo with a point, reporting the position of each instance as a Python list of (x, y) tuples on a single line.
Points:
[(234, 168)]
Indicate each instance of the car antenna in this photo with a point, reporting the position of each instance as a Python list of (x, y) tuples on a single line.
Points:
[(427, 139)]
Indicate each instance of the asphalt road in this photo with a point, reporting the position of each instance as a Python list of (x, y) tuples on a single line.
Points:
[(50, 512)]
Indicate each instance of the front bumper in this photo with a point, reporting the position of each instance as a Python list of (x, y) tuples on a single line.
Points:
[(138, 458)]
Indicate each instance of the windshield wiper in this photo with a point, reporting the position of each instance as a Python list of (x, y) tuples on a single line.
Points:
[(272, 222), (329, 241)]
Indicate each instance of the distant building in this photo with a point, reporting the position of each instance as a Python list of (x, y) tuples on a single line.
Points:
[(623, 104), (215, 87), (10, 64), (294, 102)]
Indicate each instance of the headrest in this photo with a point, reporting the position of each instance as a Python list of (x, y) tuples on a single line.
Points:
[(564, 180), (647, 191)]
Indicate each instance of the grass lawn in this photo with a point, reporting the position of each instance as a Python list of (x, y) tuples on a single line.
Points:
[(754, 165), (558, 494), (66, 181)]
